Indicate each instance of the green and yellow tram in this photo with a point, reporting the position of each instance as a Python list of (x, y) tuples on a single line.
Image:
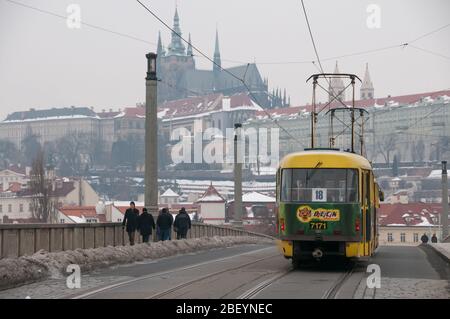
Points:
[(327, 203)]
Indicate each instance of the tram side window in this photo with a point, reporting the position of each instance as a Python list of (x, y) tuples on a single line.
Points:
[(337, 185)]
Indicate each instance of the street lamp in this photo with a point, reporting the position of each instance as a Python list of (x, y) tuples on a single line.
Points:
[(151, 66), (238, 175), (444, 215), (151, 137)]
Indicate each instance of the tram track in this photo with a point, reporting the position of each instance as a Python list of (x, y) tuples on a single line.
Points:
[(199, 279), (249, 294), (121, 284), (333, 291)]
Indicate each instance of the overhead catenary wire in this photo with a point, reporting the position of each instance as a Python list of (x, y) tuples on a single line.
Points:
[(125, 35), (307, 61), (194, 47)]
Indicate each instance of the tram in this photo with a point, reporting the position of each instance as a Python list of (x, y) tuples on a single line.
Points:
[(327, 202)]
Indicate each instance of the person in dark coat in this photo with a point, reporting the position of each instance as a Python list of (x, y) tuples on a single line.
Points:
[(146, 224), (182, 223), (164, 222), (434, 239), (424, 238), (131, 222)]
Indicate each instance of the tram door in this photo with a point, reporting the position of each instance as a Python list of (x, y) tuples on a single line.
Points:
[(366, 229)]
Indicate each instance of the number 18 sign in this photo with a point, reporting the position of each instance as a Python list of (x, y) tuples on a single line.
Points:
[(319, 195)]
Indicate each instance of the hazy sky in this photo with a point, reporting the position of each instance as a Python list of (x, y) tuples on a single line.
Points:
[(45, 64)]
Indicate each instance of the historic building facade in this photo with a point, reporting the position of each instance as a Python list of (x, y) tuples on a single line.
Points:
[(415, 127)]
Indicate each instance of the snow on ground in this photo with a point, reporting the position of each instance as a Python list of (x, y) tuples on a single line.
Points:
[(42, 264)]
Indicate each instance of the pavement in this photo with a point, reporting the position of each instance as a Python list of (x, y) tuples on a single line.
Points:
[(408, 272), (443, 249), (405, 272)]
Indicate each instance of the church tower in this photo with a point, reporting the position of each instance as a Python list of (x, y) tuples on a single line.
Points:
[(336, 88), (174, 64), (367, 90), (176, 46), (217, 61)]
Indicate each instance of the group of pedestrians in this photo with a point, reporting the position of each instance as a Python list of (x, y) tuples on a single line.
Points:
[(145, 224), (424, 238)]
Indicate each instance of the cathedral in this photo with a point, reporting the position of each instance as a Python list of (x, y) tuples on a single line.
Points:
[(336, 87), (179, 77)]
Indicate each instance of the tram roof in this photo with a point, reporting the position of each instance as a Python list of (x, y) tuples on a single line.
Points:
[(329, 159)]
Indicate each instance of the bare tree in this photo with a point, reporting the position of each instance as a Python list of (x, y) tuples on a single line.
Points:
[(386, 146), (43, 203)]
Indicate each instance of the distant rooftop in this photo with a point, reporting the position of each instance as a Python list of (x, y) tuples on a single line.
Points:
[(53, 113), (427, 97)]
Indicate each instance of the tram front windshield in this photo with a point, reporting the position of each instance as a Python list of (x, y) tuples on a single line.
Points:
[(331, 185)]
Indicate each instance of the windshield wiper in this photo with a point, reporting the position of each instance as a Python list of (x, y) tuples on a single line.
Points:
[(313, 171)]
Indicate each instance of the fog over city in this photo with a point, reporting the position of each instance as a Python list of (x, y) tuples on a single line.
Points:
[(208, 151), (45, 64)]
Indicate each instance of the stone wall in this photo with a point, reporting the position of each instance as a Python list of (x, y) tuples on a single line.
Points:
[(25, 239)]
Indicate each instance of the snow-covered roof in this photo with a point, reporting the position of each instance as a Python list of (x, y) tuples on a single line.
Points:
[(424, 222), (255, 197), (170, 193), (211, 195), (77, 219), (436, 174)]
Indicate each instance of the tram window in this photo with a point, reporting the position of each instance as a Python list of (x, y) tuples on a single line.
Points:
[(337, 185)]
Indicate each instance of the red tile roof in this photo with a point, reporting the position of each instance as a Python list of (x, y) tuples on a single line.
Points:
[(82, 211), (105, 115), (396, 214), (402, 99), (14, 187), (61, 190), (123, 209), (202, 104), (17, 169)]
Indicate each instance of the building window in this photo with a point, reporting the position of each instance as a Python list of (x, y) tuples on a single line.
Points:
[(29, 207), (390, 238), (62, 221), (119, 219), (402, 237), (1, 208), (9, 208), (21, 208), (416, 237)]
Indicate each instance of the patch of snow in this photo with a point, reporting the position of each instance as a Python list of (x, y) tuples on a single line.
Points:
[(424, 222), (170, 193), (42, 264)]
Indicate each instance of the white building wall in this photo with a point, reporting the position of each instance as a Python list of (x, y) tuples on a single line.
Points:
[(212, 213)]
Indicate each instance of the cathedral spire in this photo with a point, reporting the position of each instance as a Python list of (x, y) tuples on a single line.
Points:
[(367, 89), (176, 46), (336, 87), (217, 61), (159, 50), (189, 48)]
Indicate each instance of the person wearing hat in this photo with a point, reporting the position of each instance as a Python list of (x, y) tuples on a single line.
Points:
[(182, 223), (146, 224), (130, 220)]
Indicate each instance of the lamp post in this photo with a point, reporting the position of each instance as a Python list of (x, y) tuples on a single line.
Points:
[(238, 175), (151, 137), (444, 215)]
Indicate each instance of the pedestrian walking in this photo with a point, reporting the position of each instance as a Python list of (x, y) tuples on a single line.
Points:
[(164, 222), (130, 221), (424, 238), (146, 224), (182, 223), (434, 239)]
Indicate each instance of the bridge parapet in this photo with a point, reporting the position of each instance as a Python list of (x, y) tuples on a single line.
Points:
[(25, 239)]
